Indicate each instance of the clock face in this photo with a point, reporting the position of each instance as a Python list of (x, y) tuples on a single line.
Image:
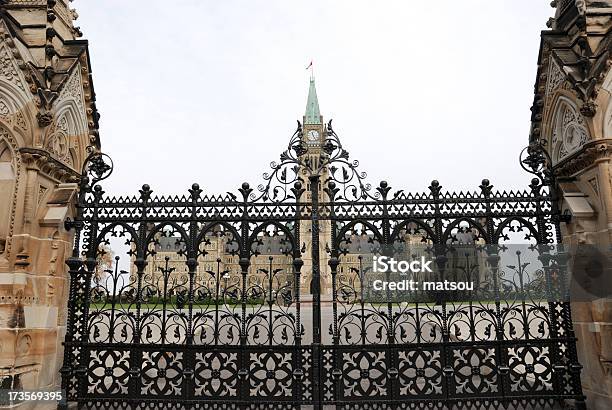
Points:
[(313, 135)]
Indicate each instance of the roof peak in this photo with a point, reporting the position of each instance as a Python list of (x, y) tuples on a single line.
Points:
[(313, 114)]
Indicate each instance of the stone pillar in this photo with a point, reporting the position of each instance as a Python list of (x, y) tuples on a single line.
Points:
[(572, 119), (48, 126), (33, 292), (589, 201)]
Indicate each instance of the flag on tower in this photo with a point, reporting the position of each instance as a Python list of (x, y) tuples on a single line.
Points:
[(309, 65)]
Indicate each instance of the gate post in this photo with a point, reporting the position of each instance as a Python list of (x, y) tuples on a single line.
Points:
[(316, 293), (75, 304), (244, 262)]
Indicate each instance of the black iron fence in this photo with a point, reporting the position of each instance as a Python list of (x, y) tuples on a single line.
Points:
[(260, 299)]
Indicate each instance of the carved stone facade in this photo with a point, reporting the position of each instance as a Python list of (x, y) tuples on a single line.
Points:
[(48, 119), (572, 118), (569, 131)]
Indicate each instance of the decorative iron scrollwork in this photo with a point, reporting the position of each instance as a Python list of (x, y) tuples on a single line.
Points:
[(208, 302)]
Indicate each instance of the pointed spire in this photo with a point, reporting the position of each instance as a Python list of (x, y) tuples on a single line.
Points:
[(313, 115)]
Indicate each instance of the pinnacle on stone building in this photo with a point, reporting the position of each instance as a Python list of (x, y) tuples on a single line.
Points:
[(48, 126)]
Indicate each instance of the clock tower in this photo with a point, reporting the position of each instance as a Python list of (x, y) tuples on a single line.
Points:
[(314, 128), (314, 133), (313, 120)]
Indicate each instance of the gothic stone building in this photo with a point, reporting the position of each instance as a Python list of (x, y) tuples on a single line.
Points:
[(572, 119), (48, 119)]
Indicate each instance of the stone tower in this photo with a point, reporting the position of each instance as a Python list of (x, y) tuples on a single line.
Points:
[(314, 132), (572, 119), (48, 119)]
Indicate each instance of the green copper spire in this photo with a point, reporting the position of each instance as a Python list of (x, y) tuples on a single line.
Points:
[(313, 115)]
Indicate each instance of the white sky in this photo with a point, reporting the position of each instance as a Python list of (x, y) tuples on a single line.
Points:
[(209, 91)]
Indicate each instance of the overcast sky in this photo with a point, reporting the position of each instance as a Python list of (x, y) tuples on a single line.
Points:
[(209, 91)]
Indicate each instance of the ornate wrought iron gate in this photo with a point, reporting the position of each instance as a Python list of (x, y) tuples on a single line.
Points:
[(244, 332)]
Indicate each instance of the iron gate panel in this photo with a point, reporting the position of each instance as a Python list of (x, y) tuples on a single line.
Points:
[(244, 331)]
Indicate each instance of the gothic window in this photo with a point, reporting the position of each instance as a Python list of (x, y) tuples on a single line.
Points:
[(570, 131)]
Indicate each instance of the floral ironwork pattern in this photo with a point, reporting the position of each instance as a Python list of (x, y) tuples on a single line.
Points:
[(530, 369), (475, 370), (162, 373), (109, 372), (271, 374), (216, 374), (206, 307), (420, 373), (364, 374)]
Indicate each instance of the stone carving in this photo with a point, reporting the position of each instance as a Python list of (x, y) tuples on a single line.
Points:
[(570, 131), (74, 88), (573, 136), (58, 146), (588, 155), (78, 124), (58, 143), (50, 293), (49, 165), (20, 121), (555, 77), (10, 115), (8, 70), (588, 109), (6, 135), (62, 124), (44, 119), (42, 190), (5, 111)]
